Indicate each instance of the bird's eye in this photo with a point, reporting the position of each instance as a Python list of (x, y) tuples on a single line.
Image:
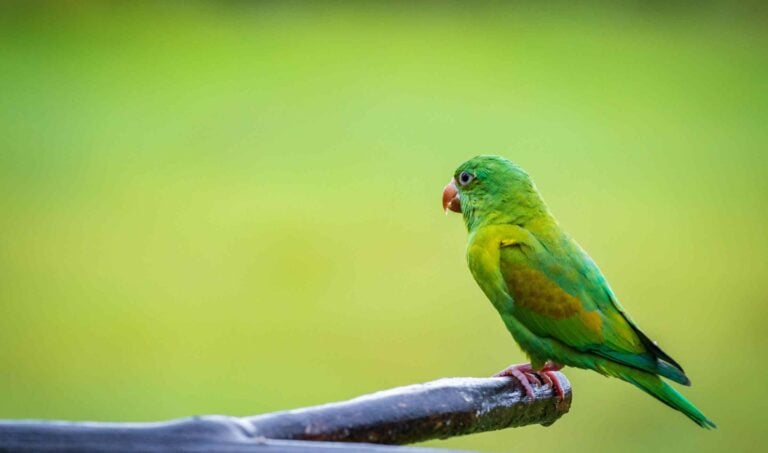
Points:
[(465, 178)]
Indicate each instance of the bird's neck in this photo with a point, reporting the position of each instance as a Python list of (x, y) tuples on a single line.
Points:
[(533, 217)]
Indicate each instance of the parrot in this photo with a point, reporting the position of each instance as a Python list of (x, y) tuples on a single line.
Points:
[(550, 294)]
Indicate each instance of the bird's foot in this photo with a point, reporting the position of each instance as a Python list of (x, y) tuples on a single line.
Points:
[(550, 377), (525, 374)]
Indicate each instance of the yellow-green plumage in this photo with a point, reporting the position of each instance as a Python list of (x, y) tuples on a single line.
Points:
[(551, 296)]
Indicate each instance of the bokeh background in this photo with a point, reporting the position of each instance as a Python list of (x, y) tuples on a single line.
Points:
[(234, 207)]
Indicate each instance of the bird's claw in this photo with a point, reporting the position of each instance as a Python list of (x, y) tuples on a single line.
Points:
[(554, 382), (525, 374)]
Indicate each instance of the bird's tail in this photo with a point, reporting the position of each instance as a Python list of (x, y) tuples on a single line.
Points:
[(653, 385)]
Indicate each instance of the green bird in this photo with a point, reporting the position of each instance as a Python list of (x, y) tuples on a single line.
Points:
[(551, 296)]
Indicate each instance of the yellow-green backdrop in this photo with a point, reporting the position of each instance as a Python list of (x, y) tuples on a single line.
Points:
[(234, 208)]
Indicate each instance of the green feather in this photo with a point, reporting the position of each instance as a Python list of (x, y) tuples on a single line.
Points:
[(550, 294)]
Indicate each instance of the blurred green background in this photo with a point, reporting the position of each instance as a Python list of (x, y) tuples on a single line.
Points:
[(234, 208)]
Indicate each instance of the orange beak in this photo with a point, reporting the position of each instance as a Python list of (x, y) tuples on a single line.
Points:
[(451, 198)]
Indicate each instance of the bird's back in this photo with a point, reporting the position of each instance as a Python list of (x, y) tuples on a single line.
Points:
[(560, 293)]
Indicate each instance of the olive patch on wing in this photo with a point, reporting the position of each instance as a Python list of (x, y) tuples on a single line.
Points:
[(534, 291)]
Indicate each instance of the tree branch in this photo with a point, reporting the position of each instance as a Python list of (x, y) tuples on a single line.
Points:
[(415, 413)]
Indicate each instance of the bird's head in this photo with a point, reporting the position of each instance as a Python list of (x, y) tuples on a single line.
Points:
[(491, 189)]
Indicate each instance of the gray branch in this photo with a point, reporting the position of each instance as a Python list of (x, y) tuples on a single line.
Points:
[(415, 413)]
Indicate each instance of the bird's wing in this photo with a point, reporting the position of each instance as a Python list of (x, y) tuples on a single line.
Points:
[(561, 294)]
